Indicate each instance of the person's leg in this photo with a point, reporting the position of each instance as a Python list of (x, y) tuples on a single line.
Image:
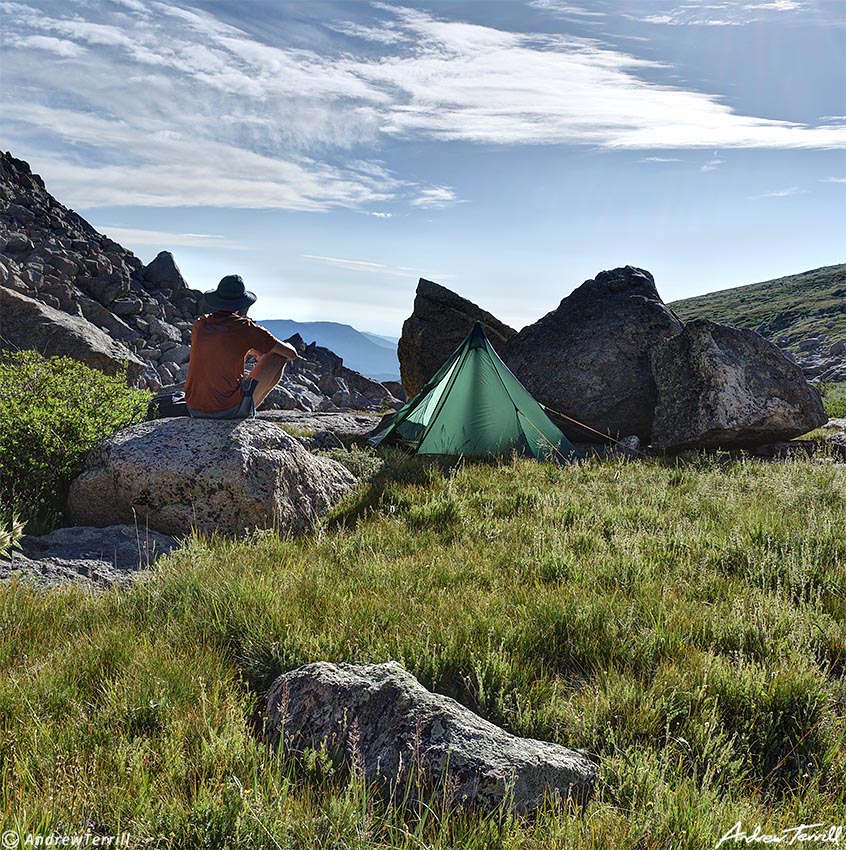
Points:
[(266, 373)]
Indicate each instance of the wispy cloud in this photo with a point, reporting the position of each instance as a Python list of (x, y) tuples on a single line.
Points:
[(565, 9), (382, 215), (59, 46), (713, 164), (164, 239), (188, 110), (661, 159), (382, 35), (435, 197), (833, 180), (782, 193), (717, 14), (363, 266)]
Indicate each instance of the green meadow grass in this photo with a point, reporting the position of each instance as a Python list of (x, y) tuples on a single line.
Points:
[(681, 622)]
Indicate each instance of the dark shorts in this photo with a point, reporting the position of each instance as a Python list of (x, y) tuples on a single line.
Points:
[(245, 409)]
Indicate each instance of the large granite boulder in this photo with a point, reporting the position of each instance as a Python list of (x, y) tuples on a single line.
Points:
[(380, 719), (29, 324), (590, 358), (436, 327), (727, 387), (173, 475), (92, 557)]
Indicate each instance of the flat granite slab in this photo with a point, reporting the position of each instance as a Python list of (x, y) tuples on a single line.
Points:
[(349, 427), (94, 557)]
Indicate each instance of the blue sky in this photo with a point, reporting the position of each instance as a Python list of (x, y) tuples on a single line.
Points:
[(333, 152)]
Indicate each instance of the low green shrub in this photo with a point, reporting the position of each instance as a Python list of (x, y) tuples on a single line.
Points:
[(834, 398), (54, 411)]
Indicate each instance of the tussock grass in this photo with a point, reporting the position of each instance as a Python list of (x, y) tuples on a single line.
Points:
[(682, 622)]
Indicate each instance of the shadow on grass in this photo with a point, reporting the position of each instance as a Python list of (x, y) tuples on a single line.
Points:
[(397, 470)]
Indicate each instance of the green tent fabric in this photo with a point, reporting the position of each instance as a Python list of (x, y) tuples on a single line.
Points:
[(474, 406)]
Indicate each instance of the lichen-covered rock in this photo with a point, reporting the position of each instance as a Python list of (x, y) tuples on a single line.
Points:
[(29, 324), (722, 387), (173, 475), (590, 358), (382, 719), (436, 327), (93, 557)]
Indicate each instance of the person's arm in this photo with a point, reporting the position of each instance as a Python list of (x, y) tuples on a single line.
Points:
[(286, 350), (283, 349)]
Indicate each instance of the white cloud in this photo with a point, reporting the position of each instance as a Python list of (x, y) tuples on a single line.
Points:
[(382, 215), (783, 193), (718, 14), (661, 159), (565, 9), (713, 164), (382, 35), (59, 46), (435, 197), (363, 266), (777, 5), (169, 106), (833, 180), (162, 238)]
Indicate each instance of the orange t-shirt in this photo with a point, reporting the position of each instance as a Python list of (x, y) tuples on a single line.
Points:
[(219, 345)]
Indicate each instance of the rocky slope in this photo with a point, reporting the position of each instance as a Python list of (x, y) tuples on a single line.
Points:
[(803, 314), (67, 289), (53, 256)]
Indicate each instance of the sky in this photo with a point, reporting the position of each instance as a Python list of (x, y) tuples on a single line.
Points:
[(334, 152)]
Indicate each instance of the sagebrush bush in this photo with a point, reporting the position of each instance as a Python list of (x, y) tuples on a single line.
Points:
[(53, 411)]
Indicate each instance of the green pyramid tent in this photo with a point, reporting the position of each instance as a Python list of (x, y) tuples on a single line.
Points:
[(475, 407)]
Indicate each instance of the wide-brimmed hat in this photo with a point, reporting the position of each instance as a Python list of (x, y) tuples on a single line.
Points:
[(231, 294)]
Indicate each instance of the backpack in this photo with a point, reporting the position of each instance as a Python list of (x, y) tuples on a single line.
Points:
[(167, 406)]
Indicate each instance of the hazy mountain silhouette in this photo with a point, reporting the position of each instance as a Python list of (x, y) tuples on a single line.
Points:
[(371, 354)]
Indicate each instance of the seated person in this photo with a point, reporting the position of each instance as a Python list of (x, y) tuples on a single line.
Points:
[(220, 343)]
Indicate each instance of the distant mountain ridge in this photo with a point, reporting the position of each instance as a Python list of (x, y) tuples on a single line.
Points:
[(371, 354), (786, 310)]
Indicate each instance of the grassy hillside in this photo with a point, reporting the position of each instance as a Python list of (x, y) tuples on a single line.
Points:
[(787, 308), (684, 623)]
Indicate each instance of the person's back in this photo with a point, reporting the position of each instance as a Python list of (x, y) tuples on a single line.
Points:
[(220, 343)]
